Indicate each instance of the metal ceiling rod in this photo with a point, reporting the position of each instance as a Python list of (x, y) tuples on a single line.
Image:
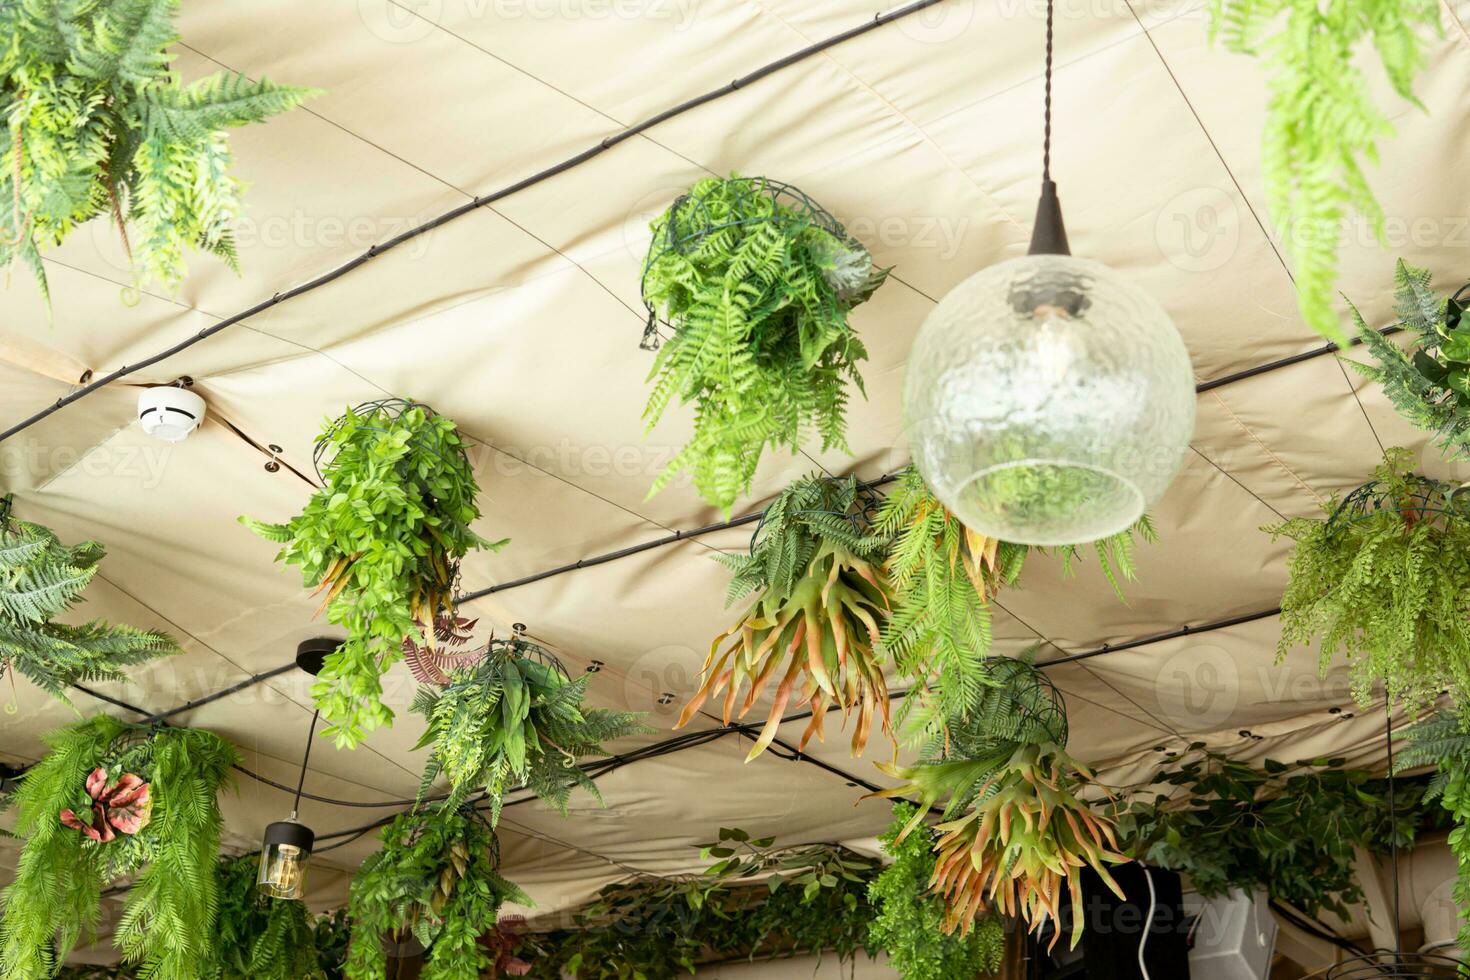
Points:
[(597, 149)]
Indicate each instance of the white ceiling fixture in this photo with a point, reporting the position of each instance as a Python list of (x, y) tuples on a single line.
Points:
[(170, 413)]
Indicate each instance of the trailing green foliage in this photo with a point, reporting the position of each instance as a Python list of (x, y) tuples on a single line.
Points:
[(510, 721), (1443, 741), (383, 539), (1385, 585), (943, 576), (435, 886), (757, 901), (909, 919), (167, 927), (97, 124), (41, 578), (1321, 123), (260, 938), (758, 292), (1430, 383), (812, 628), (1288, 828)]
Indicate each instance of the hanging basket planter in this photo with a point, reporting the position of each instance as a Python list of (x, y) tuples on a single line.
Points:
[(381, 542), (1381, 579), (748, 284)]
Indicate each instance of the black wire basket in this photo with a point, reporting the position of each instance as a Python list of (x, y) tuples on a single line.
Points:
[(1388, 965), (1433, 500), (384, 408), (518, 646), (1023, 707), (688, 211)]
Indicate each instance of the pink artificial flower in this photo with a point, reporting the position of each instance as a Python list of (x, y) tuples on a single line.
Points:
[(124, 806)]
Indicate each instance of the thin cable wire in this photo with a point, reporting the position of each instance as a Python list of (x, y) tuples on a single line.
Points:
[(1046, 126), (1393, 830)]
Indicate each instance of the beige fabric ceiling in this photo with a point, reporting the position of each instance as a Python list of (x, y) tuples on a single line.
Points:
[(522, 320)]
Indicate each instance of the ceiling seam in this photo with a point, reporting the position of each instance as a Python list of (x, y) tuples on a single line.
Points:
[(1265, 449)]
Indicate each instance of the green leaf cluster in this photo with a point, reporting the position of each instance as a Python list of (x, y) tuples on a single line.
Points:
[(259, 938), (944, 576), (1288, 828), (41, 578), (1321, 123), (908, 920), (511, 721), (97, 124), (757, 900), (383, 539), (1388, 588), (1443, 741), (758, 293), (1430, 383), (167, 926), (434, 884)]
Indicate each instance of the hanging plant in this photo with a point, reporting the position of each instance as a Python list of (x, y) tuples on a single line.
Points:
[(1383, 579), (40, 578), (909, 919), (435, 885), (111, 800), (1293, 830), (1443, 741), (1321, 123), (943, 576), (382, 539), (514, 718), (1430, 383), (813, 627), (756, 282), (1023, 832), (97, 125), (258, 938)]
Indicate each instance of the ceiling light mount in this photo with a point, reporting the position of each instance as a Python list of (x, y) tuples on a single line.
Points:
[(311, 655)]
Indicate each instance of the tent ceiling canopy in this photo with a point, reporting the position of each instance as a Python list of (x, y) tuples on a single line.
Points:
[(521, 318)]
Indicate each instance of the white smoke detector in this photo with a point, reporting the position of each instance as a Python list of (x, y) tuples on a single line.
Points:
[(170, 413)]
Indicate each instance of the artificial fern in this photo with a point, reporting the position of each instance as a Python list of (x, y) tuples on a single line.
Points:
[(1430, 385), (1443, 741), (1321, 124), (757, 291), (909, 923), (260, 938), (167, 926), (41, 578), (944, 576), (510, 721), (435, 883), (98, 125), (1387, 586)]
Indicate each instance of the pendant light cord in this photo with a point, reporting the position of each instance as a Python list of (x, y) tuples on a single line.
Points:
[(1046, 125), (305, 758)]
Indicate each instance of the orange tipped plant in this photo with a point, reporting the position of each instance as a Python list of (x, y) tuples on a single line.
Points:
[(1024, 832), (813, 629)]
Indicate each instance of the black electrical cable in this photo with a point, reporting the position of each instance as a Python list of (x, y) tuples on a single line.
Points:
[(1314, 928), (373, 252)]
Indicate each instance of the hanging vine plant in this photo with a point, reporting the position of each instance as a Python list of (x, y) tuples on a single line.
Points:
[(1321, 123), (260, 938), (756, 282), (909, 919), (382, 539), (1443, 741), (943, 576), (513, 718), (813, 627), (111, 800), (97, 124), (1015, 830), (1430, 383), (41, 578), (434, 886), (1383, 579)]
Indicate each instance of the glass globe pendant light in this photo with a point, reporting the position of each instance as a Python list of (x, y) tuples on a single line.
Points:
[(1046, 400), (287, 845)]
